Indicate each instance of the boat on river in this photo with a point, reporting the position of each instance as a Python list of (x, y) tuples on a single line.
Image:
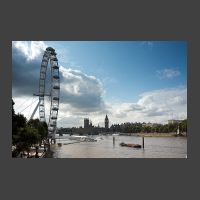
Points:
[(115, 134), (130, 145), (82, 138)]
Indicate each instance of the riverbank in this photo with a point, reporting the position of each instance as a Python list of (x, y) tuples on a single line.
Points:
[(159, 135)]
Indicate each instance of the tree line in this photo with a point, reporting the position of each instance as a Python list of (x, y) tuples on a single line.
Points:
[(149, 128), (26, 134)]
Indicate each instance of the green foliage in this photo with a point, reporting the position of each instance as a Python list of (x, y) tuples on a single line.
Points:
[(149, 128), (183, 126), (13, 112), (18, 121), (26, 138), (25, 134), (40, 126)]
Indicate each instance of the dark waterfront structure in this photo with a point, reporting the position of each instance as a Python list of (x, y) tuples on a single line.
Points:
[(86, 123), (106, 123)]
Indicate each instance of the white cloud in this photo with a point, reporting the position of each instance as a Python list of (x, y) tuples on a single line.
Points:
[(83, 92), (155, 106), (167, 73), (31, 50)]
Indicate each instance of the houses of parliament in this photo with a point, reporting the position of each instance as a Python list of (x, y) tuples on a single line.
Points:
[(88, 128), (88, 123)]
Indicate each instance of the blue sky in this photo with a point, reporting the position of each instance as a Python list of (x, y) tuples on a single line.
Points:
[(143, 81), (127, 68)]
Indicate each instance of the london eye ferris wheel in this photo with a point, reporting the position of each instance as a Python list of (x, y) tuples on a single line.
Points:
[(50, 58)]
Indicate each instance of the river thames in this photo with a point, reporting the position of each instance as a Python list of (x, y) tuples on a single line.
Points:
[(155, 147)]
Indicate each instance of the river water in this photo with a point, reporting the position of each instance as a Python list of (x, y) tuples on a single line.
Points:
[(155, 147)]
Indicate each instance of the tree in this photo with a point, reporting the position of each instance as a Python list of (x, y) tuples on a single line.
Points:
[(165, 128), (26, 137), (13, 112), (183, 126), (40, 126), (18, 121), (25, 134)]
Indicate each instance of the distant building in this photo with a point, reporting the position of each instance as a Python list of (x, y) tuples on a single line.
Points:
[(174, 121), (106, 122), (148, 124), (86, 123)]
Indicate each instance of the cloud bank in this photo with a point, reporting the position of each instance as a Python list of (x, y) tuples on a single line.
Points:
[(82, 95), (157, 105), (79, 91)]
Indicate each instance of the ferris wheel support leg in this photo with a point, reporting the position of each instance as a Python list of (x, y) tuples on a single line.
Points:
[(35, 110)]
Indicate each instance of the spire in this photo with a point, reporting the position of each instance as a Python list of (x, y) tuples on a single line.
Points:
[(106, 117)]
